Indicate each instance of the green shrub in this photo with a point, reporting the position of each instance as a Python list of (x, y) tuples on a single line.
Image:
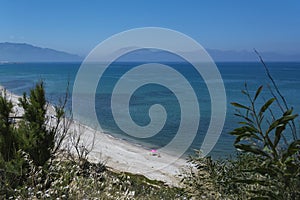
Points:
[(38, 140), (277, 172), (268, 163), (8, 139), (30, 141)]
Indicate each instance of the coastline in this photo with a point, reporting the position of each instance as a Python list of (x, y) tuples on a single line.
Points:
[(121, 155)]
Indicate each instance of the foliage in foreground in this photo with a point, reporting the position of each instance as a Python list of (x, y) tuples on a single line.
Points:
[(268, 165), (33, 167), (27, 132), (278, 167), (66, 179), (215, 179)]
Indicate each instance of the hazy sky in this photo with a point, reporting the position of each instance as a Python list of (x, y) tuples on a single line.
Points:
[(78, 26)]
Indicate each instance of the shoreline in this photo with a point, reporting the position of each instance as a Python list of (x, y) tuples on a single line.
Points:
[(121, 155)]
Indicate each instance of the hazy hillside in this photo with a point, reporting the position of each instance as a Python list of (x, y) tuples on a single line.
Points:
[(21, 52), (17, 52), (217, 55)]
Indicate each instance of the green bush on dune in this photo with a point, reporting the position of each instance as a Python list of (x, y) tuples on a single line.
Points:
[(28, 138), (8, 138), (37, 139)]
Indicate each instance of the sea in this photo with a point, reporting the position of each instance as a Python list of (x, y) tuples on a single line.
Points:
[(21, 77)]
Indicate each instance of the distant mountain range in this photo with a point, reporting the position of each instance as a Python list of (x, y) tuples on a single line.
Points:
[(22, 52), (219, 55)]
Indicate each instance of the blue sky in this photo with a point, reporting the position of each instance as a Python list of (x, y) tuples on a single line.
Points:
[(78, 26)]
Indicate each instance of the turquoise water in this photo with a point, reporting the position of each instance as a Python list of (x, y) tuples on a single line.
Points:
[(20, 77)]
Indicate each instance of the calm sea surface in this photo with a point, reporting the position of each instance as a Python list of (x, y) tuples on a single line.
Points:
[(20, 77)]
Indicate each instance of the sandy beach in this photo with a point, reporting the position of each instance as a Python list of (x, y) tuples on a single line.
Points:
[(120, 155)]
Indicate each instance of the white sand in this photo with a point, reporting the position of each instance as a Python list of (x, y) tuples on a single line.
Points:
[(121, 155)]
